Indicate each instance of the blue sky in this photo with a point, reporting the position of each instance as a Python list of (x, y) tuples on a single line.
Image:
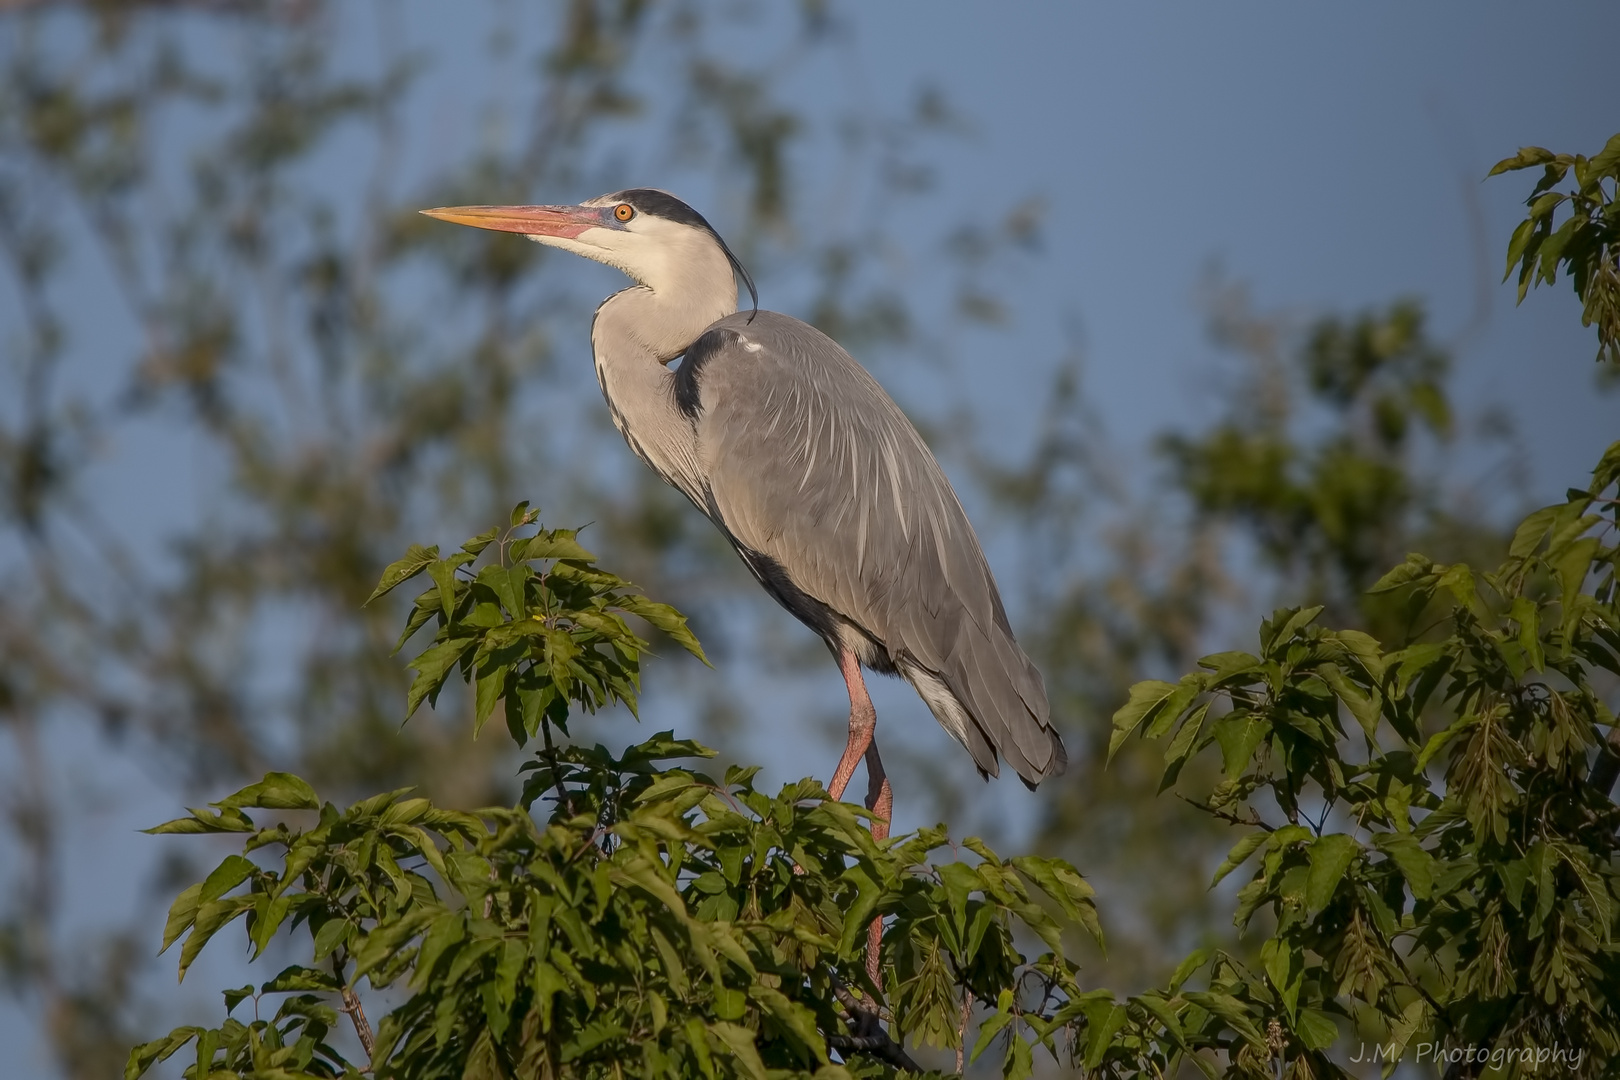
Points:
[(1329, 156)]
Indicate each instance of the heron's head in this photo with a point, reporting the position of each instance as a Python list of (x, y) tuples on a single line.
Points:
[(649, 234)]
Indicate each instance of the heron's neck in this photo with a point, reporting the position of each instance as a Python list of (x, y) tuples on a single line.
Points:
[(636, 333), (689, 287)]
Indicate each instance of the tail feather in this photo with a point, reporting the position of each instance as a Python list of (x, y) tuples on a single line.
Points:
[(991, 697)]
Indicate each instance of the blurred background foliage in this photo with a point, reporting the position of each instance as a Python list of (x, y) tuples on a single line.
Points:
[(342, 377)]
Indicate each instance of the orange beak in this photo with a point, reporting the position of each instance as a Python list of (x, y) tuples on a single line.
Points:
[(564, 221)]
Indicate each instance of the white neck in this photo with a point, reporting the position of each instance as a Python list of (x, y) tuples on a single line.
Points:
[(684, 284)]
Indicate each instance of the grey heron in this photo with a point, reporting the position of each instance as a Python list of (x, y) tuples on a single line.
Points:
[(809, 469)]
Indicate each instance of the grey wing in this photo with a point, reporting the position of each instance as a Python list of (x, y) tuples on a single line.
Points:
[(840, 508)]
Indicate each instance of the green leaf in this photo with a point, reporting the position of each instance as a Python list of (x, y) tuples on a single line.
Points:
[(740, 1041), (559, 545), (182, 913), (1146, 698), (443, 572), (1063, 883), (210, 918), (432, 667), (988, 1032), (511, 586), (1416, 865), (1297, 621), (1517, 244), (491, 686), (793, 1017), (205, 821), (1514, 874), (1237, 1015), (477, 544), (1189, 964), (333, 932), (1019, 1064), (1239, 734), (1103, 1021), (1364, 707), (1330, 856), (1239, 854), (417, 558), (1316, 1029), (1414, 568), (277, 791), (1528, 157), (1439, 739), (667, 620), (147, 1054), (226, 876), (233, 998), (1285, 968), (296, 977)]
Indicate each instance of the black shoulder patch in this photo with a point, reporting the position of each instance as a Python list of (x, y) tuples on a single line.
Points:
[(686, 376)]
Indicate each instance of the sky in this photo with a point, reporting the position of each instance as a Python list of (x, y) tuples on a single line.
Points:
[(1330, 158)]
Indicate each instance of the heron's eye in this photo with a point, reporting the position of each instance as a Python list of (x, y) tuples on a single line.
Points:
[(624, 211)]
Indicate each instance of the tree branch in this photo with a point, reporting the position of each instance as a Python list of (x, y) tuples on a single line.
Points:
[(563, 801), (868, 1037), (356, 1011), (878, 1045), (961, 1032), (1607, 766)]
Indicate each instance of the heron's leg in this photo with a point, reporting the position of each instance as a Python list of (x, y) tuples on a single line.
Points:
[(879, 800), (879, 796), (862, 722)]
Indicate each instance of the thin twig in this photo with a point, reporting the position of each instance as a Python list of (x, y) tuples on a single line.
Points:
[(556, 771), (1607, 767), (1226, 815), (961, 1031), (356, 1011)]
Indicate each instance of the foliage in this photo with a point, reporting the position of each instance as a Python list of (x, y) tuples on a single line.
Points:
[(1472, 906), (667, 923), (1586, 245), (656, 921), (1430, 805), (1322, 461), (1329, 513), (239, 373), (536, 638)]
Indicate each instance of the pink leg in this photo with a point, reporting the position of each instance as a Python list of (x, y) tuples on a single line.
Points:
[(862, 722), (879, 795), (879, 800)]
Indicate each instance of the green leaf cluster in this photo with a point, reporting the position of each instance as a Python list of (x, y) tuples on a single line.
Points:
[(1586, 245), (629, 914), (538, 627), (657, 921), (1435, 840)]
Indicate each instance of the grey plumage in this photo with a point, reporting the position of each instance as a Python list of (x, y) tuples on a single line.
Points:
[(807, 466), (808, 463)]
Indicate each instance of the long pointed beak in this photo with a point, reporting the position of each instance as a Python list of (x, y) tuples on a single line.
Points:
[(563, 221)]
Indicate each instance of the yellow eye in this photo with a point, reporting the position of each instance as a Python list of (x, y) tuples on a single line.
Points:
[(624, 211)]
